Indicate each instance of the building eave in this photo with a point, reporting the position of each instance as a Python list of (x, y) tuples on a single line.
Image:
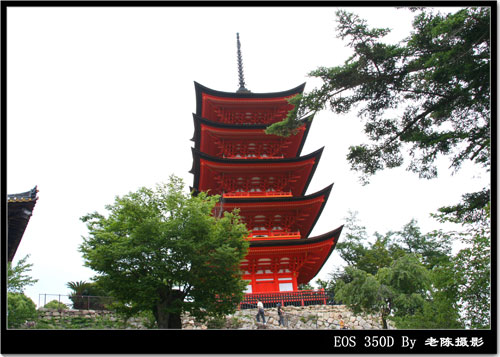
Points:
[(198, 155), (283, 201), (281, 246), (20, 209), (200, 89), (334, 234)]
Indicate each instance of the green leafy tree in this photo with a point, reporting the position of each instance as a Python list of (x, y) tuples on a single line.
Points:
[(307, 286), (440, 308), (397, 290), (378, 255), (437, 306), (471, 268), (352, 247), (20, 309), (361, 292), (322, 284), (164, 251), (17, 277), (408, 282), (434, 249), (54, 304), (427, 96), (372, 253), (470, 209)]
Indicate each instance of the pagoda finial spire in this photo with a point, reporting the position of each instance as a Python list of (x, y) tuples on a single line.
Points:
[(242, 88)]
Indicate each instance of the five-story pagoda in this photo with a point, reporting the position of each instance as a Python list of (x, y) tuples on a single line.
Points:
[(266, 178)]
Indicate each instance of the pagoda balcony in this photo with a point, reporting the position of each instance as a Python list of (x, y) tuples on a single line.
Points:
[(257, 194), (273, 234), (288, 298), (253, 157)]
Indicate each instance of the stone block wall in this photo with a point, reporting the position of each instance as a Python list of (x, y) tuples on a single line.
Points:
[(54, 314), (112, 321), (299, 317), (302, 317)]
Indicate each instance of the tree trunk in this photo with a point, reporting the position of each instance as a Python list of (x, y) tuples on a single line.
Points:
[(166, 319), (174, 321)]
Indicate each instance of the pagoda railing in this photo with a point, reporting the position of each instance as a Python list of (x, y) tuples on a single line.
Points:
[(258, 194), (253, 157), (287, 298), (270, 234)]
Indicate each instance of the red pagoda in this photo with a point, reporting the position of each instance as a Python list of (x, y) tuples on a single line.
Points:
[(264, 176)]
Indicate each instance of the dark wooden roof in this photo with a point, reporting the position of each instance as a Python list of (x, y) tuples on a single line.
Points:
[(20, 208), (202, 89), (199, 89)]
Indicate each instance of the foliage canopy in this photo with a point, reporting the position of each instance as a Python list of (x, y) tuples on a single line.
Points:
[(17, 279), (414, 279), (20, 309), (164, 251), (438, 78)]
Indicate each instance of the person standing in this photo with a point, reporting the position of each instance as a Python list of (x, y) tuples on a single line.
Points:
[(281, 315), (260, 311), (341, 323)]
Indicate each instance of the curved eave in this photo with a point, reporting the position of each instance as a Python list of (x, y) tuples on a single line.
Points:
[(308, 122), (27, 196), (283, 245), (198, 155), (200, 90), (324, 192), (20, 209), (282, 201), (316, 154), (198, 121), (334, 234), (197, 118)]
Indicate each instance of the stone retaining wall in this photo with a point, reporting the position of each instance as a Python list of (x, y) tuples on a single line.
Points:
[(303, 317), (55, 315)]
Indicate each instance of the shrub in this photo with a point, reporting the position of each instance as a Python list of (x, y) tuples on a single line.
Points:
[(234, 323), (54, 304), (87, 295), (217, 322), (20, 309)]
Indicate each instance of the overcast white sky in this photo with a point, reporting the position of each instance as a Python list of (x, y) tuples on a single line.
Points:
[(100, 103)]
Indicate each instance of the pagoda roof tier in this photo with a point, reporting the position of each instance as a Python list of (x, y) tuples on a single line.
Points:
[(221, 175), (20, 208), (246, 141), (305, 256), (285, 218), (244, 107)]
